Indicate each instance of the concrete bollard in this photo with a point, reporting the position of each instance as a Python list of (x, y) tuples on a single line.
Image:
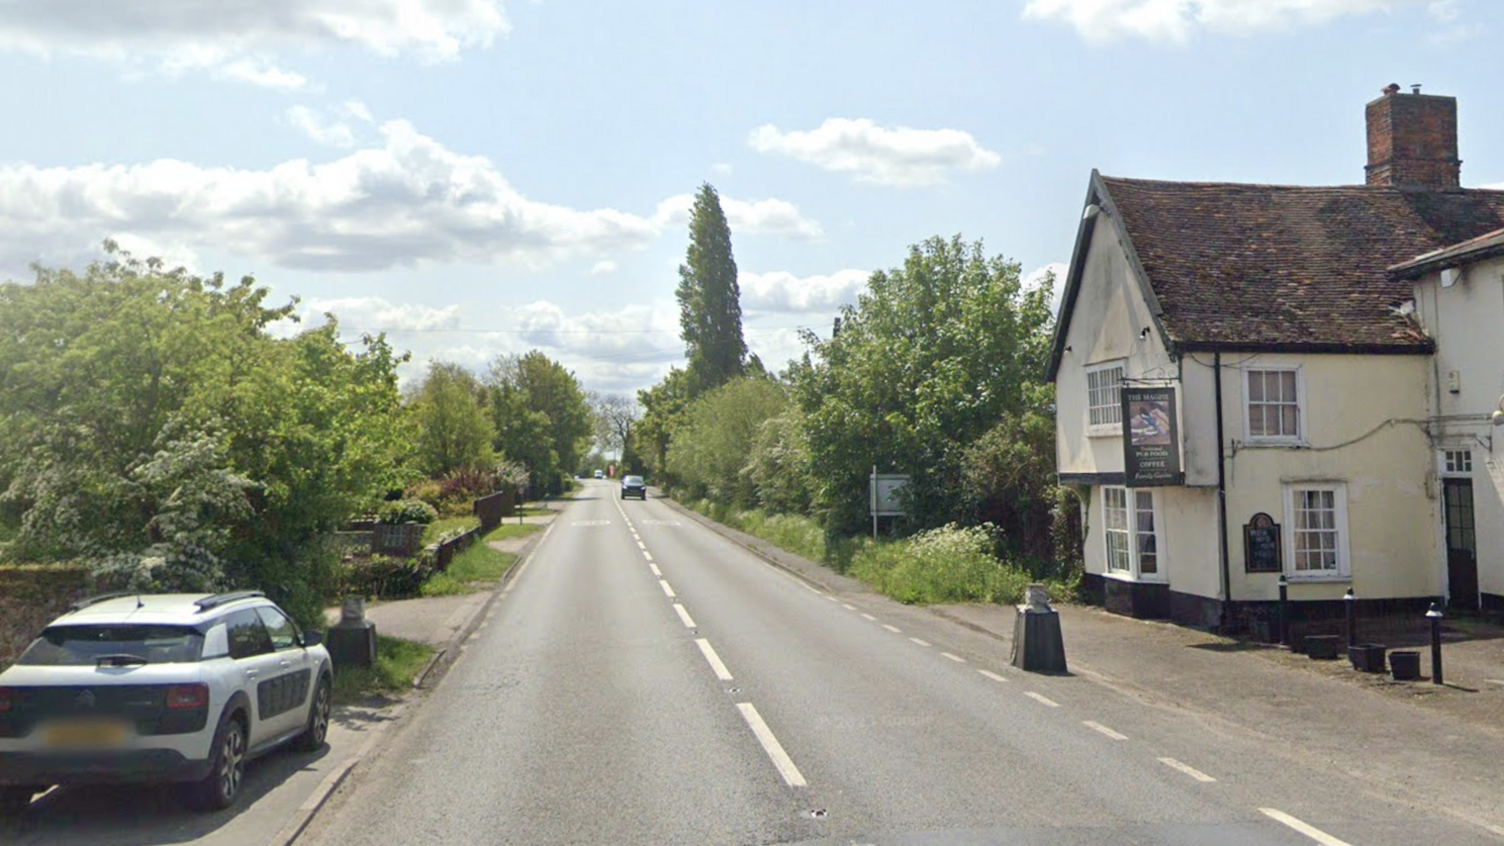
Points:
[(352, 641)]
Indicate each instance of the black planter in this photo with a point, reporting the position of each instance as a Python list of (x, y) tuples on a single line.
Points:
[(1367, 657), (1404, 665), (1323, 647)]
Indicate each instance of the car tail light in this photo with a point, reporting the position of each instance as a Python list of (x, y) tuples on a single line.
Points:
[(183, 696), (7, 696)]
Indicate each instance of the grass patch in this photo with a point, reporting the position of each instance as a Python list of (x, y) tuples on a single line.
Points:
[(434, 530), (398, 662), (512, 531), (478, 565)]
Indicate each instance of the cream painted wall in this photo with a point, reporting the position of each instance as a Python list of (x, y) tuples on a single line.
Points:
[(1467, 321), (1364, 421)]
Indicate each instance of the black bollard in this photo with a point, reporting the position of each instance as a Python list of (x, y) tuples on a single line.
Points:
[(1284, 610), (1435, 617), (1351, 603)]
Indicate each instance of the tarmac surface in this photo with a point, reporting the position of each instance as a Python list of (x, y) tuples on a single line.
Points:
[(1407, 736)]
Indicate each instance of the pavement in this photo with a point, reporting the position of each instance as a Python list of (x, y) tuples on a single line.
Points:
[(1407, 732)]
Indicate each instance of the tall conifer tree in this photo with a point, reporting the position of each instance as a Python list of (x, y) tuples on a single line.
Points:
[(710, 310)]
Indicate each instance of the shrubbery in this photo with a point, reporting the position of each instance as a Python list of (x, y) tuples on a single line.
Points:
[(407, 511)]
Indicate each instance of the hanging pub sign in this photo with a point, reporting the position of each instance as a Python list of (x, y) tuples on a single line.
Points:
[(1151, 438)]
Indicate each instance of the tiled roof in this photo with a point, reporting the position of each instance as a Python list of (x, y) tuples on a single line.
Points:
[(1281, 266), (1482, 247)]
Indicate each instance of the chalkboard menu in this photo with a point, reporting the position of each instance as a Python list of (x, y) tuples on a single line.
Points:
[(1262, 550)]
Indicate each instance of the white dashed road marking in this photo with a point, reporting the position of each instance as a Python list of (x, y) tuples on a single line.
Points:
[(869, 617), (1187, 769), (715, 660), (848, 607), (1098, 727), (791, 775), (918, 641), (893, 629), (958, 659), (1041, 699), (1307, 829), (666, 589), (684, 616), (991, 675), (656, 571)]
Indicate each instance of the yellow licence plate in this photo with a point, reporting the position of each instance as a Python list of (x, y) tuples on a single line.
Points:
[(85, 734)]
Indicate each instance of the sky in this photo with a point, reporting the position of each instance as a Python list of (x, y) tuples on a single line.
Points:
[(478, 178)]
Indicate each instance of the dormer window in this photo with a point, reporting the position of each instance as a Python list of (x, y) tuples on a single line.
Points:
[(1104, 385)]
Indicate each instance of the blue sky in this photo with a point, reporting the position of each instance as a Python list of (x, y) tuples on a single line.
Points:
[(479, 177)]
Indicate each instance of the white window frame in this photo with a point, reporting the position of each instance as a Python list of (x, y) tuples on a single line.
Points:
[(1112, 412), (1342, 542), (1299, 438), (1455, 462), (1129, 538)]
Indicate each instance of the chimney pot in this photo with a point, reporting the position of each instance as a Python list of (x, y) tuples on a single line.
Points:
[(1415, 88)]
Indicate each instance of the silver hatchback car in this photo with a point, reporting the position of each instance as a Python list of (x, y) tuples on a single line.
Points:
[(160, 688)]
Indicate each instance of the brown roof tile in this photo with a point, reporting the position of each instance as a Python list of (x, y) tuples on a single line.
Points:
[(1265, 265)]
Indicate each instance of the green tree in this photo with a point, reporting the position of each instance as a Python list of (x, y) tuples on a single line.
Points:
[(778, 465), (710, 311), (545, 421), (663, 408), (454, 431), (615, 415), (709, 452), (932, 356), (156, 430)]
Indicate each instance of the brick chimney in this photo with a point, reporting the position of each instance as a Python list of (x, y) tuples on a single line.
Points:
[(1412, 140)]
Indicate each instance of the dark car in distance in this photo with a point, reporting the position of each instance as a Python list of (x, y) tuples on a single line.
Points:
[(634, 486)]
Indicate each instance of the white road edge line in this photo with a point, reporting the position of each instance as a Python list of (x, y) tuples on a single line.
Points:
[(1098, 727), (657, 572), (958, 659), (893, 629), (848, 607), (715, 660), (666, 589), (1187, 769), (791, 775), (1308, 830), (869, 617), (1045, 700), (684, 616), (918, 641), (991, 675)]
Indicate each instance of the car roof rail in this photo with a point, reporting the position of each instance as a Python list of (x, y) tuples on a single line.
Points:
[(103, 597), (218, 599)]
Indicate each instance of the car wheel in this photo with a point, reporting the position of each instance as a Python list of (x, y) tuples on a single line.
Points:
[(312, 738), (14, 801), (221, 787)]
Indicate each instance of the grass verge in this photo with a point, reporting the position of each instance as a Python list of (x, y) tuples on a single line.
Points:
[(398, 662), (479, 565)]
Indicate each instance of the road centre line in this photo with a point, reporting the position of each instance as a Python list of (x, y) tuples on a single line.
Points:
[(791, 775), (1187, 769), (1041, 699), (991, 675), (958, 659), (1098, 727), (668, 591), (642, 546), (893, 629), (918, 641), (684, 616), (1307, 829), (657, 572), (647, 555), (715, 660)]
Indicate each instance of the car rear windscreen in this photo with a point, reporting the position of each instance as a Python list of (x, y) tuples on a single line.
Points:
[(62, 646)]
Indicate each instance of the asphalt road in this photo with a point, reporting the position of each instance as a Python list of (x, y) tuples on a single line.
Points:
[(644, 680)]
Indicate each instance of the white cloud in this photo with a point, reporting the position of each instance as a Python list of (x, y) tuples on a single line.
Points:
[(603, 267), (375, 314), (1176, 20), (263, 75), (780, 291), (759, 217), (407, 202), (329, 133), (1034, 278), (722, 168), (232, 37), (871, 153)]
